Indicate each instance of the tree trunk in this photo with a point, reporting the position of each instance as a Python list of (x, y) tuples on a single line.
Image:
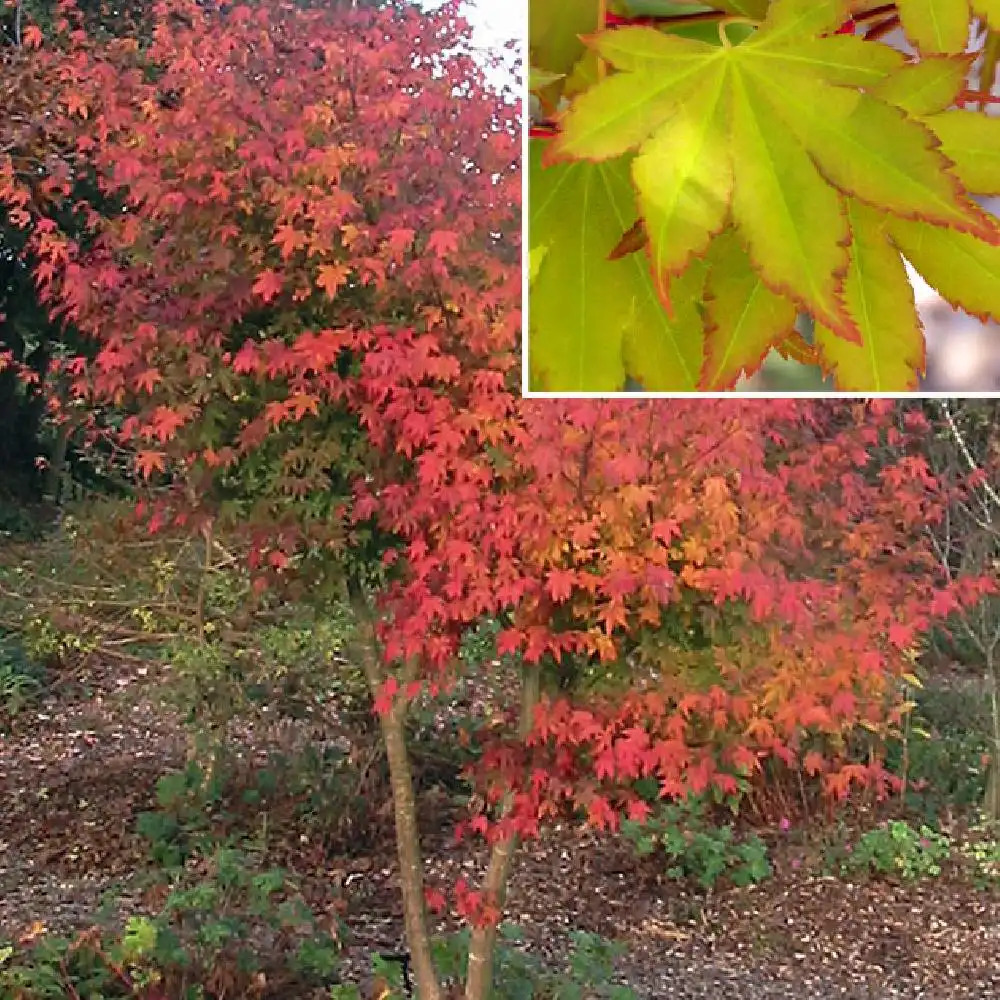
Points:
[(411, 870), (482, 946), (57, 465), (991, 802)]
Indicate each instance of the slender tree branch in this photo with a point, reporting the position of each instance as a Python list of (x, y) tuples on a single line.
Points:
[(967, 454)]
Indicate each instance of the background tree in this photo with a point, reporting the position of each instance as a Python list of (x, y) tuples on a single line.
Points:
[(964, 449)]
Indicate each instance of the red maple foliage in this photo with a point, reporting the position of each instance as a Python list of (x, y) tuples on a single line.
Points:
[(795, 529)]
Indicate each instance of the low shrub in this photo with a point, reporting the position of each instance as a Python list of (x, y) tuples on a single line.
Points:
[(897, 850), (226, 926), (696, 849), (981, 855), (519, 975), (22, 679)]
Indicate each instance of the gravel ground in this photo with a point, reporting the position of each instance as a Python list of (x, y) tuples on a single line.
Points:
[(73, 777)]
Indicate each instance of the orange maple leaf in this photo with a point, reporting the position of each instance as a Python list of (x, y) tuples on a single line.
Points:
[(301, 403), (165, 423), (289, 239), (147, 380), (331, 277), (148, 462), (76, 104), (442, 242)]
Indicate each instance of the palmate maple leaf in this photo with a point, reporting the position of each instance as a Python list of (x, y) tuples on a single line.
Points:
[(331, 277), (942, 26), (148, 462), (771, 176), (268, 284)]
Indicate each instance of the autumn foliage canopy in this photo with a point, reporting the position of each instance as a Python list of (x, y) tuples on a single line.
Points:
[(300, 291)]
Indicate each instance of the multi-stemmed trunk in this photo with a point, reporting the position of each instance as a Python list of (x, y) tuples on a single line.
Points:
[(482, 946)]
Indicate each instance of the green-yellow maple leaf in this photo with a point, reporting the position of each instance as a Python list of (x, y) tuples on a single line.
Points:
[(581, 304), (964, 270), (576, 312), (774, 131), (874, 151), (626, 108), (935, 25), (684, 177), (971, 140), (554, 31), (667, 356), (840, 59), (878, 294), (793, 222), (927, 86), (743, 317), (788, 171), (789, 20), (535, 257)]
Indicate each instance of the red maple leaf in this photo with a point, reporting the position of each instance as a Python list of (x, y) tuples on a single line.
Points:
[(147, 380), (560, 583), (600, 814), (165, 423), (31, 37), (442, 243), (813, 763), (384, 699), (638, 811), (289, 239), (435, 899), (268, 285)]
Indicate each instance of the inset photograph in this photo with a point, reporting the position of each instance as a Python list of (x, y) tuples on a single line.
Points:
[(756, 196)]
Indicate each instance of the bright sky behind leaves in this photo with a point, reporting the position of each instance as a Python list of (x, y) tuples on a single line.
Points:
[(494, 23)]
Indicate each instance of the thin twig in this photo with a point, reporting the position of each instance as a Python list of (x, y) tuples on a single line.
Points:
[(967, 454)]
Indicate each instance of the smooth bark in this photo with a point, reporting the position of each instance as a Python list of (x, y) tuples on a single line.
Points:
[(411, 870), (482, 946)]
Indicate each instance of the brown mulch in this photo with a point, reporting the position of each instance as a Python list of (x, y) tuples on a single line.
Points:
[(75, 772)]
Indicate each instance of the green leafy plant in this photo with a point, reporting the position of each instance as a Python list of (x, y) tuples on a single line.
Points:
[(21, 679), (895, 849), (53, 967), (694, 849), (47, 642), (215, 911), (981, 855), (519, 975), (291, 667), (184, 799), (943, 748), (95, 964), (206, 942)]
